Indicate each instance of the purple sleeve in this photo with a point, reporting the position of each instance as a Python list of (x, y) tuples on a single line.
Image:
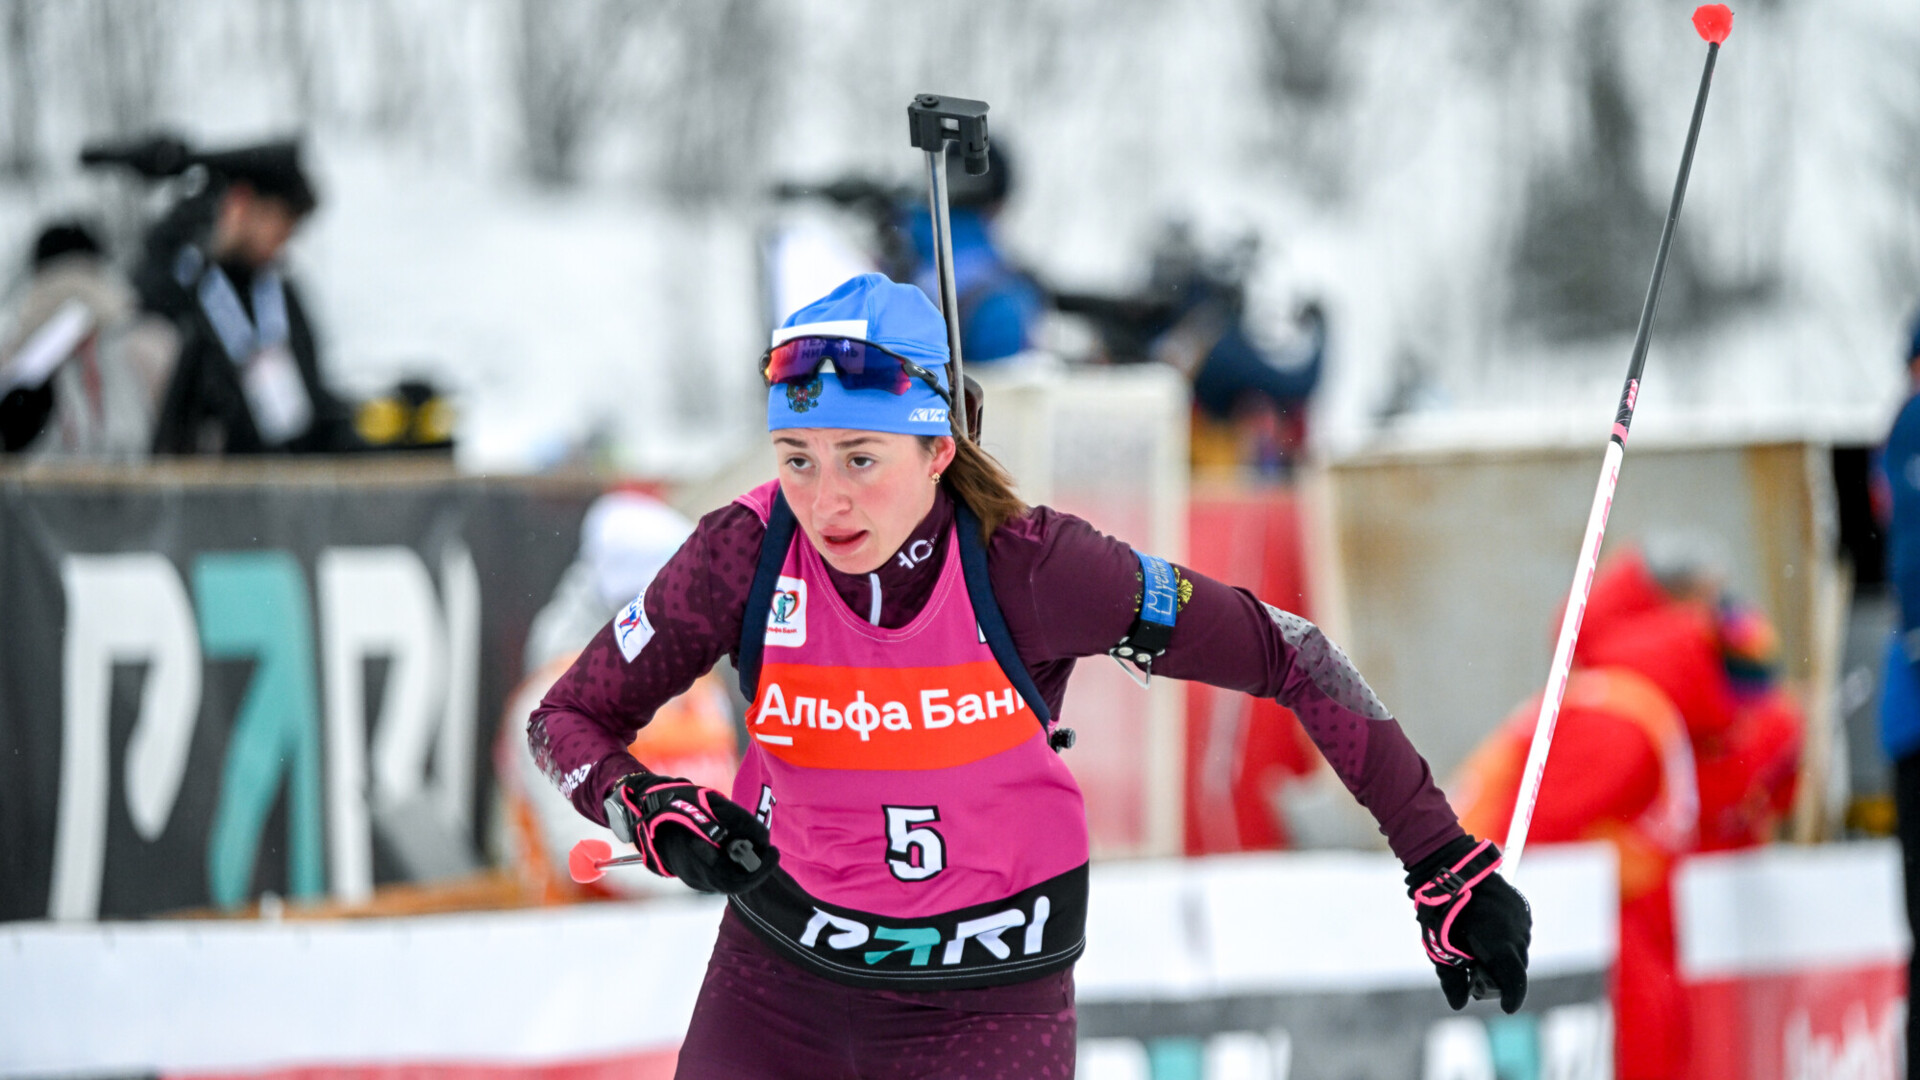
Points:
[(580, 732), (1067, 591)]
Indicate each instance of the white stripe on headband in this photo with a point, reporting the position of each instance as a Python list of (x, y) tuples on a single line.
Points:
[(853, 328)]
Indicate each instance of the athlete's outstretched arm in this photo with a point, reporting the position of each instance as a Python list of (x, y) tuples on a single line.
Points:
[(1245, 644), (1073, 592)]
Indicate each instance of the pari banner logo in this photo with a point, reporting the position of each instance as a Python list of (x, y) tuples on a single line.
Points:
[(787, 614), (923, 946), (300, 740)]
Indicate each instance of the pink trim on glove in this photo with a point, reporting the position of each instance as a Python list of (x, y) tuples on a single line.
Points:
[(1449, 891), (698, 818)]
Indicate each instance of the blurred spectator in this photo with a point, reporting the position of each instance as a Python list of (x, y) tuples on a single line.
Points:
[(625, 538), (1664, 613), (74, 381), (248, 377), (1210, 339), (1621, 771), (1000, 305), (1250, 395), (1900, 703)]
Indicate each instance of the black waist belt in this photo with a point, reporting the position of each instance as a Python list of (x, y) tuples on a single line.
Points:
[(1032, 933)]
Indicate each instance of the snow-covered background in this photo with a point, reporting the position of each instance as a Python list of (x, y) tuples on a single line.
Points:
[(555, 206)]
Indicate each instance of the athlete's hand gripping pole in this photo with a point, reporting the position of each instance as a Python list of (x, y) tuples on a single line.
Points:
[(683, 830), (936, 121), (1472, 921)]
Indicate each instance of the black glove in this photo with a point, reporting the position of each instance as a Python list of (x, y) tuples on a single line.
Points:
[(691, 832), (1475, 926)]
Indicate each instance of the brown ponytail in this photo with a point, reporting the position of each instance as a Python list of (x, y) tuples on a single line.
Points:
[(975, 478)]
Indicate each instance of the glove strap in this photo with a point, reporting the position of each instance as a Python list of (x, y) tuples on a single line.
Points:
[(1442, 897), (655, 801)]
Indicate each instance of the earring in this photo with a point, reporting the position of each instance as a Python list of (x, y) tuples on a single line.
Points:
[(936, 478)]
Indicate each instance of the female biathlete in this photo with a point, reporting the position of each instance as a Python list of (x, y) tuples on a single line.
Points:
[(905, 854)]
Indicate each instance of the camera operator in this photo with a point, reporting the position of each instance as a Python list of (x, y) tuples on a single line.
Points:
[(248, 376)]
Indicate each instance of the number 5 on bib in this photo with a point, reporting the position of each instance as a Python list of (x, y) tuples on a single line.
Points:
[(916, 852)]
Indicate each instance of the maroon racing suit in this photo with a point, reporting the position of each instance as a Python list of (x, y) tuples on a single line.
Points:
[(1066, 591)]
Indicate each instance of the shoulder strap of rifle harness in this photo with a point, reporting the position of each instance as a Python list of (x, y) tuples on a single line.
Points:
[(993, 625), (766, 578)]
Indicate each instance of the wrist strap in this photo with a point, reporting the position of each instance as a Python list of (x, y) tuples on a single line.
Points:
[(620, 816)]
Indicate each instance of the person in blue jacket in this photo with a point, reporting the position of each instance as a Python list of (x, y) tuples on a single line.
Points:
[(1000, 305), (1900, 701)]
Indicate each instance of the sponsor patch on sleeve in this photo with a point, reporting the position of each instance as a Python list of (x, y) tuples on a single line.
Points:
[(631, 628)]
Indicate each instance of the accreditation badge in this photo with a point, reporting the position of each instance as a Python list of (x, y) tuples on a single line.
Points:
[(276, 395)]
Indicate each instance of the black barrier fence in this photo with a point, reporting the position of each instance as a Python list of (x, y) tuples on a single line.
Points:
[(218, 682)]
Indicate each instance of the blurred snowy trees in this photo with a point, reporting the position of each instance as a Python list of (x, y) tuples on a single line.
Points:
[(564, 78), (1593, 216), (1897, 160), (1462, 182), (701, 101), (1589, 222), (708, 99), (1307, 76), (127, 50), (19, 154)]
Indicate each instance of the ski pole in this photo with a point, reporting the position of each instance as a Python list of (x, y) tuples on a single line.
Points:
[(589, 859), (935, 121), (1714, 22)]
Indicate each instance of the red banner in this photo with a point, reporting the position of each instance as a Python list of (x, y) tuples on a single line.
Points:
[(1802, 1025)]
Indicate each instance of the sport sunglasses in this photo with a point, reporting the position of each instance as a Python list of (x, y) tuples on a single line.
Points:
[(859, 365)]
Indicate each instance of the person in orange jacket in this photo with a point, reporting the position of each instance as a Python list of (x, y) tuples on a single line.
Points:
[(1673, 737), (1666, 615), (1621, 772)]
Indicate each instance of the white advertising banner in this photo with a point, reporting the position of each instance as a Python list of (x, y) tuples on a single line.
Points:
[(522, 988), (1302, 965)]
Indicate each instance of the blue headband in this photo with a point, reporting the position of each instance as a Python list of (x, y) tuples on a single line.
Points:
[(872, 308)]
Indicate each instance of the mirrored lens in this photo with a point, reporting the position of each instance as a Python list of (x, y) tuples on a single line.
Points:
[(860, 366)]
